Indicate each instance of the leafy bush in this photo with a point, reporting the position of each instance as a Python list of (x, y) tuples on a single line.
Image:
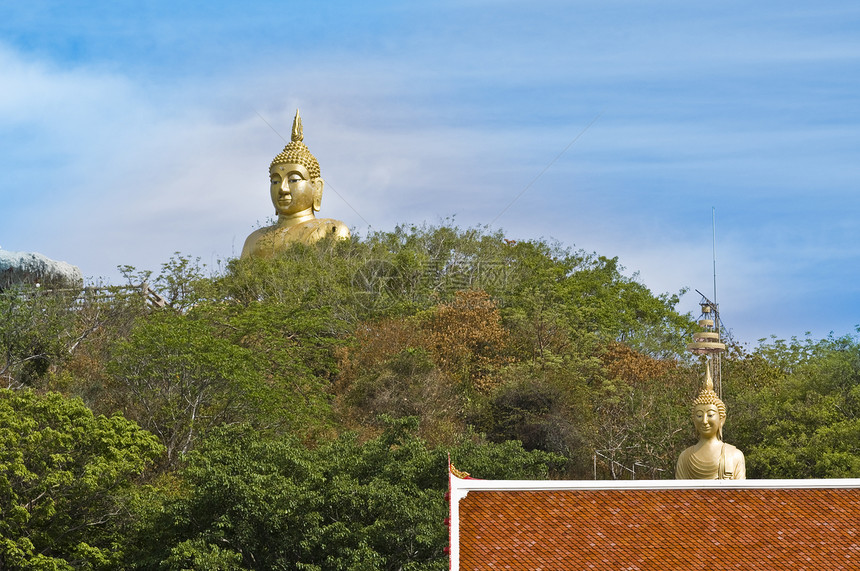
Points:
[(65, 480)]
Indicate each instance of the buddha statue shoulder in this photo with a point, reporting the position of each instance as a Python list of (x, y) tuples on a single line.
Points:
[(710, 458), (296, 189)]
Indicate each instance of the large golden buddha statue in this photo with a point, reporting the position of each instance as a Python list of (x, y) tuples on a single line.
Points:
[(710, 458), (296, 190)]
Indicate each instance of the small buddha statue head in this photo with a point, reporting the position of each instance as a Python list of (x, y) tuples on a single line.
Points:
[(296, 185), (709, 412)]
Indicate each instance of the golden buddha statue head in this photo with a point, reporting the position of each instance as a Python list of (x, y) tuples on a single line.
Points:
[(709, 412), (296, 184)]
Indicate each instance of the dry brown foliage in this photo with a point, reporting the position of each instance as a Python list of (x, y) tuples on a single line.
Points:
[(423, 365), (624, 363), (376, 343), (467, 338)]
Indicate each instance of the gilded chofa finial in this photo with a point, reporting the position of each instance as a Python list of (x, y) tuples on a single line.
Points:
[(298, 134)]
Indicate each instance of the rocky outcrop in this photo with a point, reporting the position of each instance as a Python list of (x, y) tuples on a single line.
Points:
[(18, 268)]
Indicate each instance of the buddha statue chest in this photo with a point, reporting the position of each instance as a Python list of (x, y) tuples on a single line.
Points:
[(702, 464)]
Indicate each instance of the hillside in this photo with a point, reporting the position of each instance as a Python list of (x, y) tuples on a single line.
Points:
[(299, 413)]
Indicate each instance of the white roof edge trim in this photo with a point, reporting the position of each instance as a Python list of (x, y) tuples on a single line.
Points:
[(464, 486)]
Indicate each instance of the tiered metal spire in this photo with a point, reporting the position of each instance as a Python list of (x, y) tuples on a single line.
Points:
[(707, 342)]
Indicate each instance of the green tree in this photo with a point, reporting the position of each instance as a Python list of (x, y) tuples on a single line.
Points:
[(294, 353), (797, 408), (557, 301), (178, 378), (65, 480), (37, 330), (343, 506), (302, 278)]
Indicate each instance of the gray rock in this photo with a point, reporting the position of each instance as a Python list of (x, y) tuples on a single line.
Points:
[(18, 268)]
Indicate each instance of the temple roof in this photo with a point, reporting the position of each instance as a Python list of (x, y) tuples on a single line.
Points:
[(660, 525)]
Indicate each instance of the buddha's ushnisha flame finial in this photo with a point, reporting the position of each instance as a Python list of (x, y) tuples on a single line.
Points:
[(296, 152), (298, 134), (709, 380)]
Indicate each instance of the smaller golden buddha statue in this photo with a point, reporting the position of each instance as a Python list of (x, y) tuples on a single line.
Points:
[(710, 458), (296, 190)]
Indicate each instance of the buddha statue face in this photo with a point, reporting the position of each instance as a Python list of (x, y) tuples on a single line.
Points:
[(292, 189), (706, 418)]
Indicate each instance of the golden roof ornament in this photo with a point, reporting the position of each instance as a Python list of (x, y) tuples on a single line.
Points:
[(296, 152), (459, 473)]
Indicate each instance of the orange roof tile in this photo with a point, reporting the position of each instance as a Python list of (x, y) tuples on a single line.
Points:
[(759, 528)]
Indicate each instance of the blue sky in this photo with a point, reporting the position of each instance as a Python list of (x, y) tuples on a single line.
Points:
[(130, 130)]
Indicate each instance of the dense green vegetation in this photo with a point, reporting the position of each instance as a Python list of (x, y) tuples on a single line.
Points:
[(299, 413)]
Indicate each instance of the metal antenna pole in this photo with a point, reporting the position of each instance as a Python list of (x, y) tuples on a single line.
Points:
[(714, 242), (718, 369)]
